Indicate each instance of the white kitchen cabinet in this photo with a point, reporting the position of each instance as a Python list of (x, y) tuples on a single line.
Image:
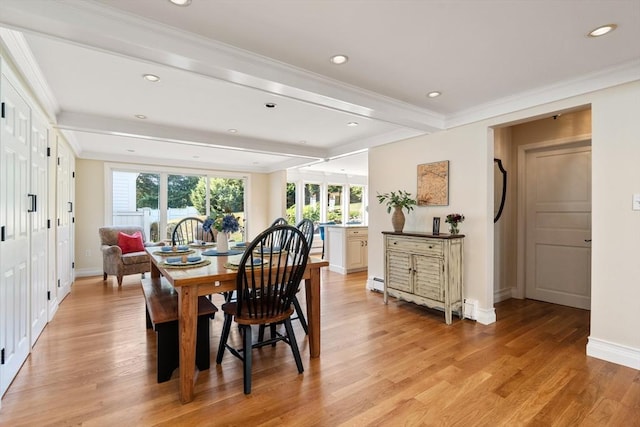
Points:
[(347, 248), (425, 269)]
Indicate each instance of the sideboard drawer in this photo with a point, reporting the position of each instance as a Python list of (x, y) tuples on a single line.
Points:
[(421, 246)]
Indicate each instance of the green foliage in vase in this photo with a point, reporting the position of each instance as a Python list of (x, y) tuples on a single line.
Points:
[(394, 199)]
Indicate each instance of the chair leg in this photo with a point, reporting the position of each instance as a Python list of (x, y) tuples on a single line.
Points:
[(226, 328), (301, 317), (246, 362), (104, 276), (261, 333), (119, 281), (294, 345), (272, 328)]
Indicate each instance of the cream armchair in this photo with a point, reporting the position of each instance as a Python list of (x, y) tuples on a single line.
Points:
[(114, 262)]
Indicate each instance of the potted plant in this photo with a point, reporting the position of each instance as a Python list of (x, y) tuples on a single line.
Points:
[(397, 200)]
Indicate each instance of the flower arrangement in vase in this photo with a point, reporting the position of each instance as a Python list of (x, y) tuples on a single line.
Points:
[(454, 221), (225, 224), (397, 200)]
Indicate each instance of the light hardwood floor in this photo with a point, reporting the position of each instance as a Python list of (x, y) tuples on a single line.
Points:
[(399, 364)]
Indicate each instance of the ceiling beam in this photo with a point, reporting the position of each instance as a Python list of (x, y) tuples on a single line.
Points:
[(99, 27)]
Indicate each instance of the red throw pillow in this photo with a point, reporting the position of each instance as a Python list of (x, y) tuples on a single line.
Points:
[(130, 243)]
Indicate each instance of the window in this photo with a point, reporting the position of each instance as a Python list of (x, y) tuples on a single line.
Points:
[(291, 203), (311, 209), (334, 204), (227, 196), (356, 204), (135, 201), (156, 201), (181, 190)]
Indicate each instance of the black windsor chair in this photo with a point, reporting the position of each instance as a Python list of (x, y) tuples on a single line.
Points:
[(189, 230), (269, 275)]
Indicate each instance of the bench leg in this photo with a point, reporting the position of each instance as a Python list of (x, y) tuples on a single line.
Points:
[(149, 323), (167, 350)]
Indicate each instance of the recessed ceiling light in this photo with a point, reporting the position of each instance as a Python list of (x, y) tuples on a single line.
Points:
[(339, 59), (233, 130), (270, 105), (141, 116), (434, 94), (196, 157), (303, 141), (181, 2), (151, 77), (602, 30), (131, 151), (352, 124)]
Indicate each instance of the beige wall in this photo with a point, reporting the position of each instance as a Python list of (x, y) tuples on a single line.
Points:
[(89, 215), (470, 163), (90, 211), (616, 228), (278, 195), (615, 275), (504, 261)]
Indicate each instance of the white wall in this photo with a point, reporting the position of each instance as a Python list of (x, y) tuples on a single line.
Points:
[(615, 315)]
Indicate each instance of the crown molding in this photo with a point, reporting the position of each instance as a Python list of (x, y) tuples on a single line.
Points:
[(23, 59), (621, 74)]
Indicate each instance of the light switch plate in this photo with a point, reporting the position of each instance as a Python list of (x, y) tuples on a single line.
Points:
[(636, 202)]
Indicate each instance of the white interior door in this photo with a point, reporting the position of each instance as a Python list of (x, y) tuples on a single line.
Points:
[(64, 218), (14, 242), (558, 226), (38, 226)]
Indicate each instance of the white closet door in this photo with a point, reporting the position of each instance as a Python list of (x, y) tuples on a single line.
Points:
[(14, 244), (38, 225), (64, 220)]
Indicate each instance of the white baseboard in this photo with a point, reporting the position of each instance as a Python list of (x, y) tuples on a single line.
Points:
[(486, 316), (86, 272), (374, 285), (502, 295), (614, 353)]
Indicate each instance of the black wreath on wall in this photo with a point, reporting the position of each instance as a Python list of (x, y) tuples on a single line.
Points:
[(503, 196)]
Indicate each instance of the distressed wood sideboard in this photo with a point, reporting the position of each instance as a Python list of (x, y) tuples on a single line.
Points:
[(425, 269)]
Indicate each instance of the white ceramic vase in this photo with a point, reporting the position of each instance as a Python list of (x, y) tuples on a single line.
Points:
[(223, 242)]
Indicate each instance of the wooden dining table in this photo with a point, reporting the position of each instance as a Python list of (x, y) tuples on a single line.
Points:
[(216, 278)]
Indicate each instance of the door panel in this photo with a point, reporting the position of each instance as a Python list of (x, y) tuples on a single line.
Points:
[(64, 221), (38, 225), (14, 249), (558, 215)]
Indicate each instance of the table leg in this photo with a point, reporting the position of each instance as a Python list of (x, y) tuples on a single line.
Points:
[(312, 291), (187, 318), (155, 273)]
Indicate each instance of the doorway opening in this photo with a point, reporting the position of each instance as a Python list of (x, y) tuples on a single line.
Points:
[(542, 240)]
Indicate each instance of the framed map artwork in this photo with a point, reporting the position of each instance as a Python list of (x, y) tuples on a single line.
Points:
[(433, 184)]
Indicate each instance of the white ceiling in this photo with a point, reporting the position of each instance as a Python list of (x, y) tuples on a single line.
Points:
[(220, 61)]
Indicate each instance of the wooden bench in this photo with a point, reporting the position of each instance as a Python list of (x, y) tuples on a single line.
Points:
[(162, 315)]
